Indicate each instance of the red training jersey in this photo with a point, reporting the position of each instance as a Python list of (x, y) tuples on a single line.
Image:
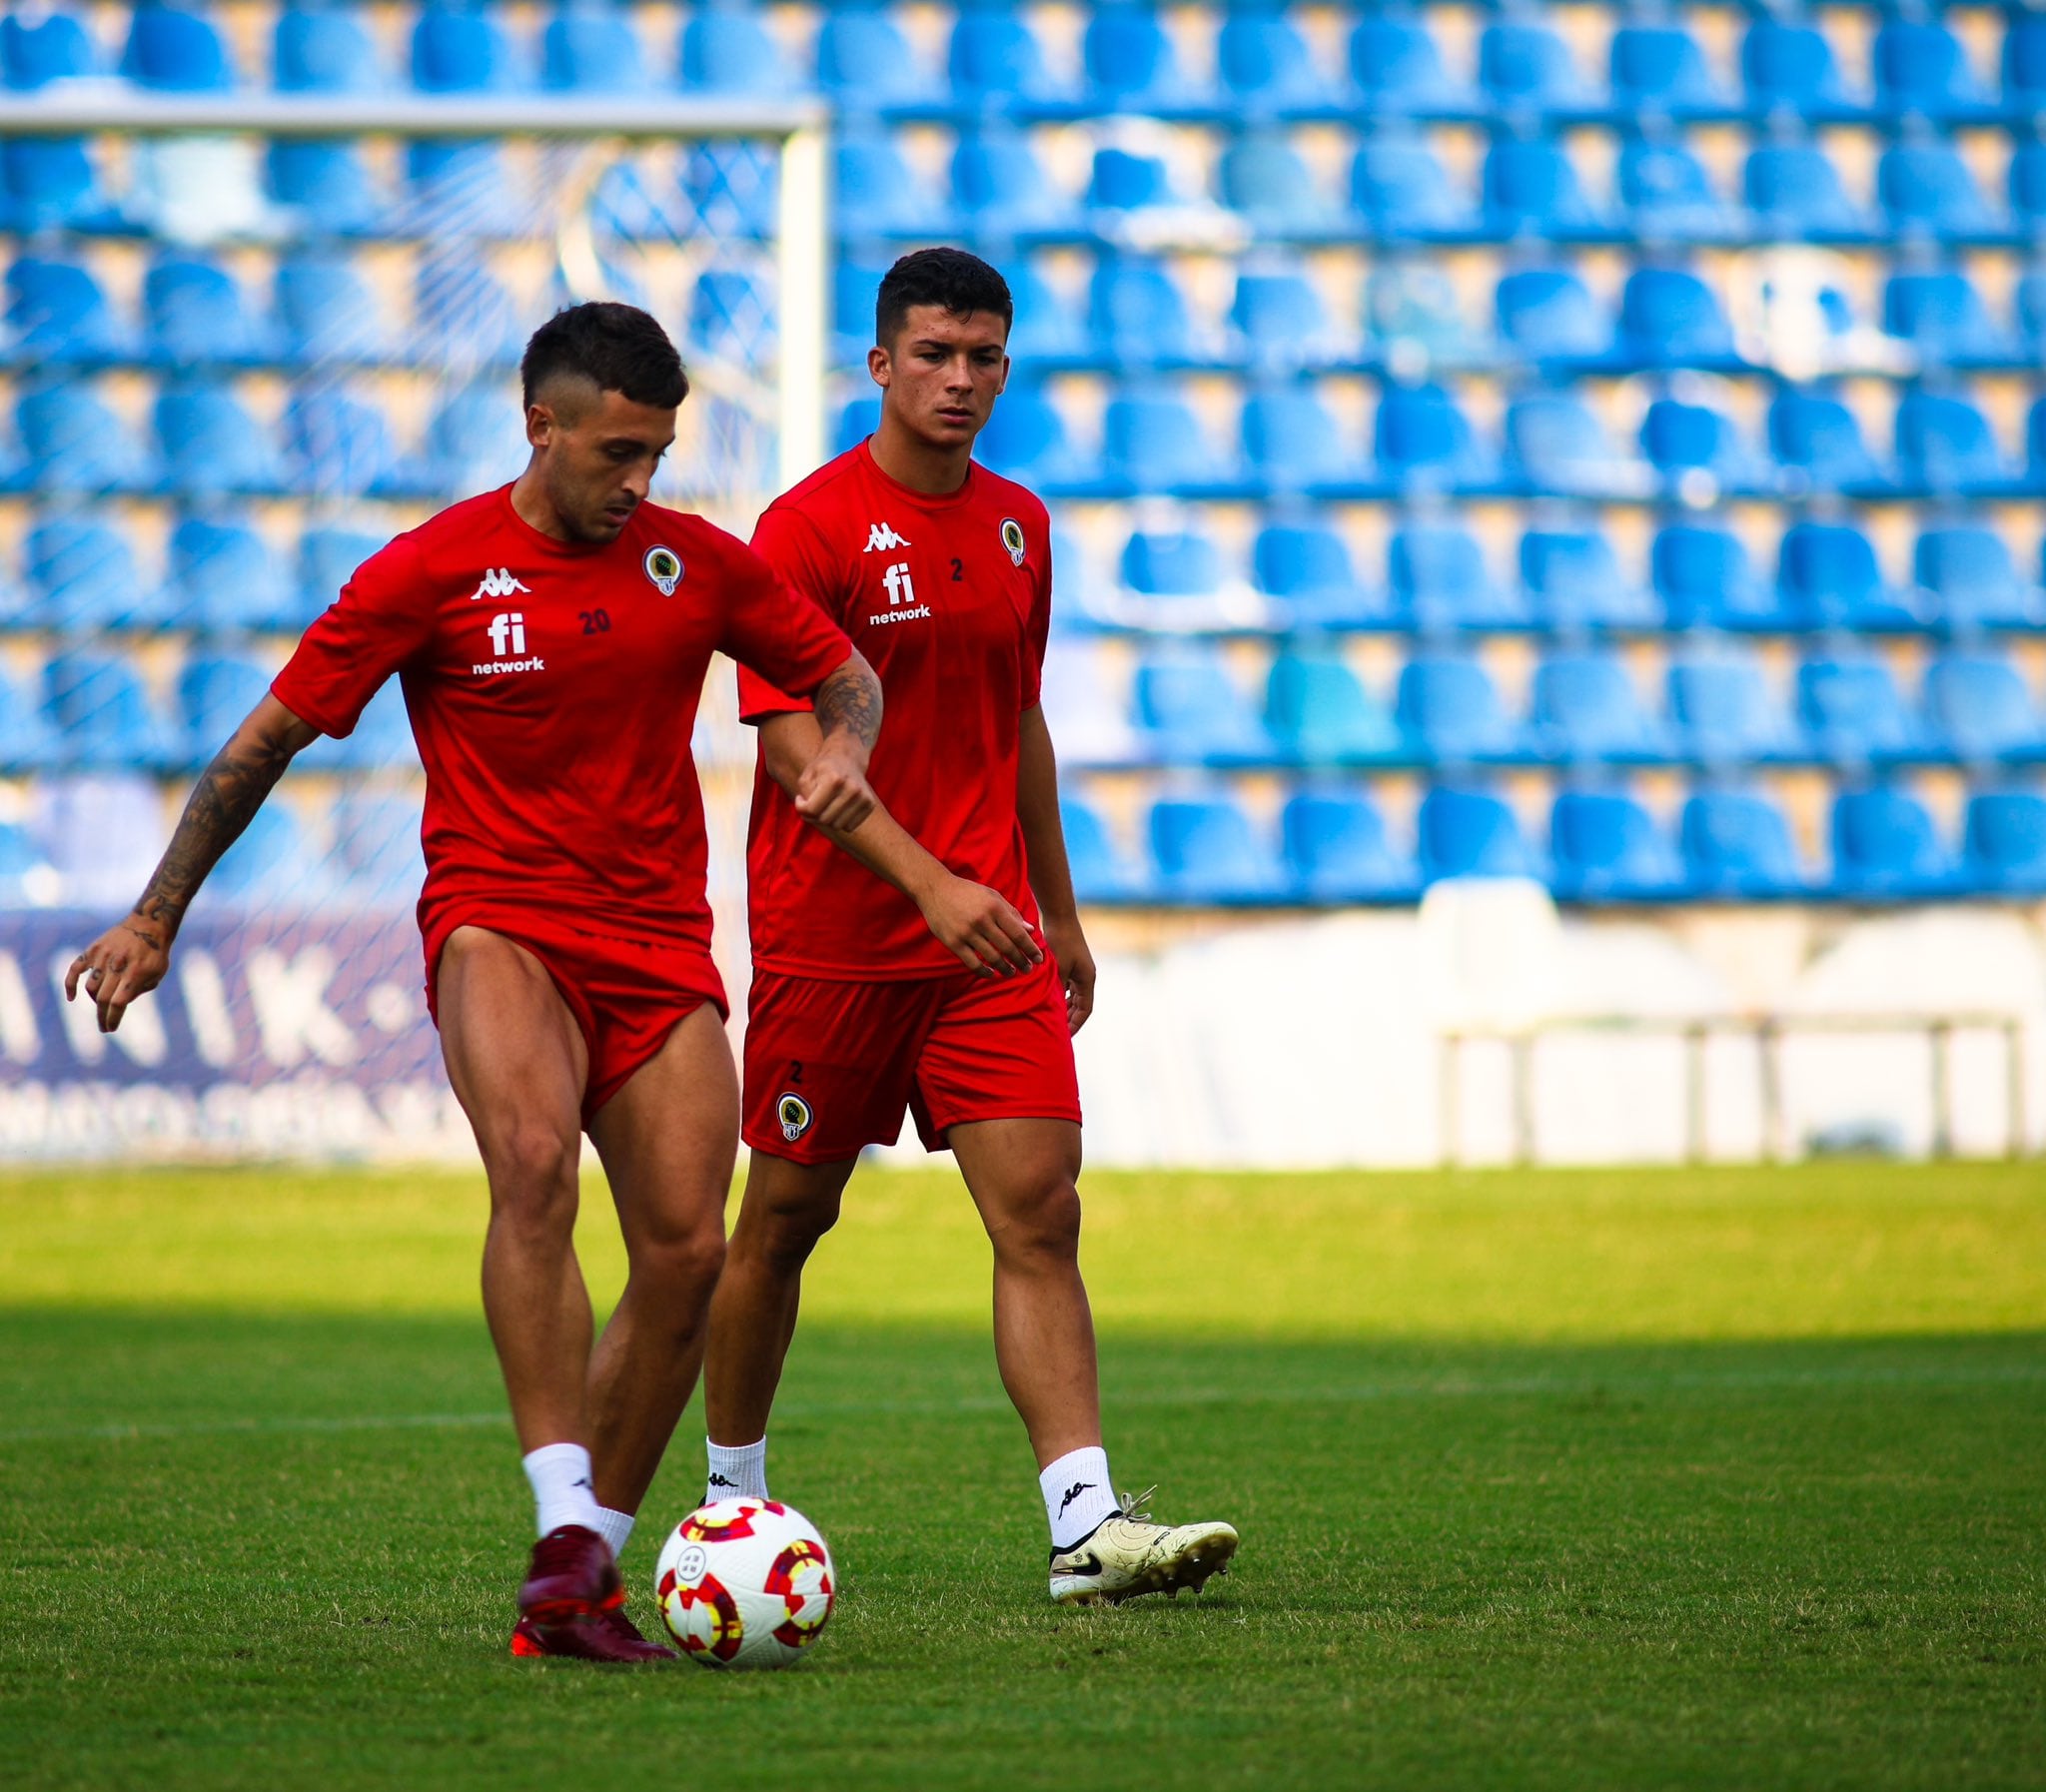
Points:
[(552, 688), (949, 599)]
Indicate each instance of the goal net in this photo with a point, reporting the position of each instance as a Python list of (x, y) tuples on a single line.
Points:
[(248, 341)]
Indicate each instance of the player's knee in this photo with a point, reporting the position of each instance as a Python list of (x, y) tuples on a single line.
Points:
[(532, 1172), (1045, 1228), (684, 1261)]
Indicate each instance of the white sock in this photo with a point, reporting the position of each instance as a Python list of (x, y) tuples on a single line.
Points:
[(615, 1529), (1077, 1494), (735, 1471), (562, 1487)]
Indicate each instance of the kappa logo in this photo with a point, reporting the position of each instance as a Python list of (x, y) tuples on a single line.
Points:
[(881, 538), (1072, 1493), (497, 581), (795, 1114)]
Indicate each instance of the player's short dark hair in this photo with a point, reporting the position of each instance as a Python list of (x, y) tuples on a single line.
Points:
[(617, 345), (962, 284)]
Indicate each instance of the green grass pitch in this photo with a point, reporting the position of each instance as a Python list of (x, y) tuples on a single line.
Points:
[(1568, 1479)]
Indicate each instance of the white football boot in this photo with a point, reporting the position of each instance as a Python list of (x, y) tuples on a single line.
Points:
[(1126, 1554)]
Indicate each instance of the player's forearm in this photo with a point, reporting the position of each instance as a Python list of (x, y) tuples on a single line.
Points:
[(1037, 809), (880, 842), (847, 705)]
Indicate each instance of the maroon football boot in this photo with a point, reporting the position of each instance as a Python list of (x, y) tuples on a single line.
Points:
[(607, 1636), (572, 1576)]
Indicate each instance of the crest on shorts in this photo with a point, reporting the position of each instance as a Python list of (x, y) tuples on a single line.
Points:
[(1012, 538), (664, 566), (795, 1114)]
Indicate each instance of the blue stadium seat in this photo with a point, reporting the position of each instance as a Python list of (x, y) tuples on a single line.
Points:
[(1829, 578), (462, 190), (1528, 67), (326, 313), (1131, 65), (2004, 842), (36, 51), (2035, 444), (27, 878), (462, 315), (1261, 177), (1026, 440), (1413, 310), (1921, 68), (2030, 307), (1586, 707), (2024, 63), (1793, 192), (1885, 846), (207, 442), (732, 317), (73, 442), (1292, 443), (471, 443), (1554, 445), (874, 194), (1000, 185), (102, 715), (224, 578), (1605, 847), (1321, 715), (1705, 577), (1546, 313), (1196, 714), (594, 49), (1102, 872), (197, 314), (1449, 708), (996, 61), (1574, 583), (376, 844), (1048, 325), (1661, 69), (1282, 321), (328, 558), (1854, 714), (1926, 189), (1439, 580), (174, 51), (1177, 563), (1689, 444), (1816, 441), (1670, 318), (215, 693), (856, 422), (866, 64), (1137, 312), (1398, 68), (1398, 189), (1668, 196), (1126, 181), (1979, 705), (325, 185), (1465, 833), (1530, 189), (339, 446), (56, 314), (1970, 581), (853, 286), (81, 577), (1791, 69), (1725, 715), (26, 740), (1945, 444), (1336, 850), (2027, 187), (1421, 439), (49, 183), (1943, 317), (733, 188), (1306, 567), (1268, 69), (1205, 850), (322, 50), (270, 866), (1737, 845), (1154, 442), (460, 48)]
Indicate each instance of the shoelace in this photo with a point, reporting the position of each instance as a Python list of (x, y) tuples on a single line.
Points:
[(1129, 1503)]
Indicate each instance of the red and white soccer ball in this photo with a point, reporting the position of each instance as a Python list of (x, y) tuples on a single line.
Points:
[(744, 1584)]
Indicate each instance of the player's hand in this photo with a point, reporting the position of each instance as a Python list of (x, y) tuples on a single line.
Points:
[(1076, 968), (983, 931), (833, 790), (126, 961)]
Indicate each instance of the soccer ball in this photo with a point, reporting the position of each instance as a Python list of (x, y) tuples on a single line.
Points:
[(744, 1584)]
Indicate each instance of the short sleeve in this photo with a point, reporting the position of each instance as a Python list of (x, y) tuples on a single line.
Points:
[(381, 620), (784, 644), (1037, 630), (786, 541)]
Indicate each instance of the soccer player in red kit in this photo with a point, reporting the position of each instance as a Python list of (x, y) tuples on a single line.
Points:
[(553, 637), (932, 957)]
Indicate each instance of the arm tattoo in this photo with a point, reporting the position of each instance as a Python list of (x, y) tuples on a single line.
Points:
[(851, 699), (228, 793)]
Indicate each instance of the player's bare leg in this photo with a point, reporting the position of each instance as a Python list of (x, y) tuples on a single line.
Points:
[(786, 1208), (668, 1139)]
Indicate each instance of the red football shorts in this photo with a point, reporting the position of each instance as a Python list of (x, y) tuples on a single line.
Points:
[(831, 1066), (628, 992)]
